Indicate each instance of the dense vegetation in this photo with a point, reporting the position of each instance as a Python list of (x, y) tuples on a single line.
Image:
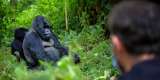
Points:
[(79, 25)]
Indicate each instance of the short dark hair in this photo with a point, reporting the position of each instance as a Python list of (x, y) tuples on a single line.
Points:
[(137, 24), (113, 2)]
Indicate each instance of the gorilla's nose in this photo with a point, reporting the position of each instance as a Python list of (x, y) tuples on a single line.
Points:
[(47, 31)]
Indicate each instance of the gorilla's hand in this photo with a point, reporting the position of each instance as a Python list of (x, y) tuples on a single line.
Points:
[(76, 58)]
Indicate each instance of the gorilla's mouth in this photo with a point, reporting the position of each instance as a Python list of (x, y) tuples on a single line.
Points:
[(47, 32), (46, 35)]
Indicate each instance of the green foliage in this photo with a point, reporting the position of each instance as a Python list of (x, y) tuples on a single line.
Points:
[(94, 50), (65, 70), (4, 10), (11, 70), (6, 67)]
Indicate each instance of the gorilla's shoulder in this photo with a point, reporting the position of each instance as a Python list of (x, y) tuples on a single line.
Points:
[(30, 35)]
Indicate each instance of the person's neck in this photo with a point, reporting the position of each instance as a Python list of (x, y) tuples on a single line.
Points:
[(133, 60)]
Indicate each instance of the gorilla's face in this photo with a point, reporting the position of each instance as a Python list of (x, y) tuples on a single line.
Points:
[(47, 32), (41, 26)]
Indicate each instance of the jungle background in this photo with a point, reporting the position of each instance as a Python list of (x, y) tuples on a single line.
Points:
[(79, 24)]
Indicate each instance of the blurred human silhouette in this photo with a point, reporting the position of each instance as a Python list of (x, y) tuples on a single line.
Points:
[(135, 35)]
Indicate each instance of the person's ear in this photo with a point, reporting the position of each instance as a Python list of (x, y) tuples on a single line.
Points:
[(117, 44)]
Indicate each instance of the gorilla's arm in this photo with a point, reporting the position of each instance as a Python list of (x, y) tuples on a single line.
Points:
[(63, 50), (28, 55), (56, 41)]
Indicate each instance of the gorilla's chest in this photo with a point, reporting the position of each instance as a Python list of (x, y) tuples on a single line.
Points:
[(50, 50)]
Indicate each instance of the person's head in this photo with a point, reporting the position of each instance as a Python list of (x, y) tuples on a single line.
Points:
[(135, 32), (114, 2), (41, 26)]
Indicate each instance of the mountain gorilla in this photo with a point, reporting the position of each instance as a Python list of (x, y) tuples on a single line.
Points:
[(40, 43), (16, 45)]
